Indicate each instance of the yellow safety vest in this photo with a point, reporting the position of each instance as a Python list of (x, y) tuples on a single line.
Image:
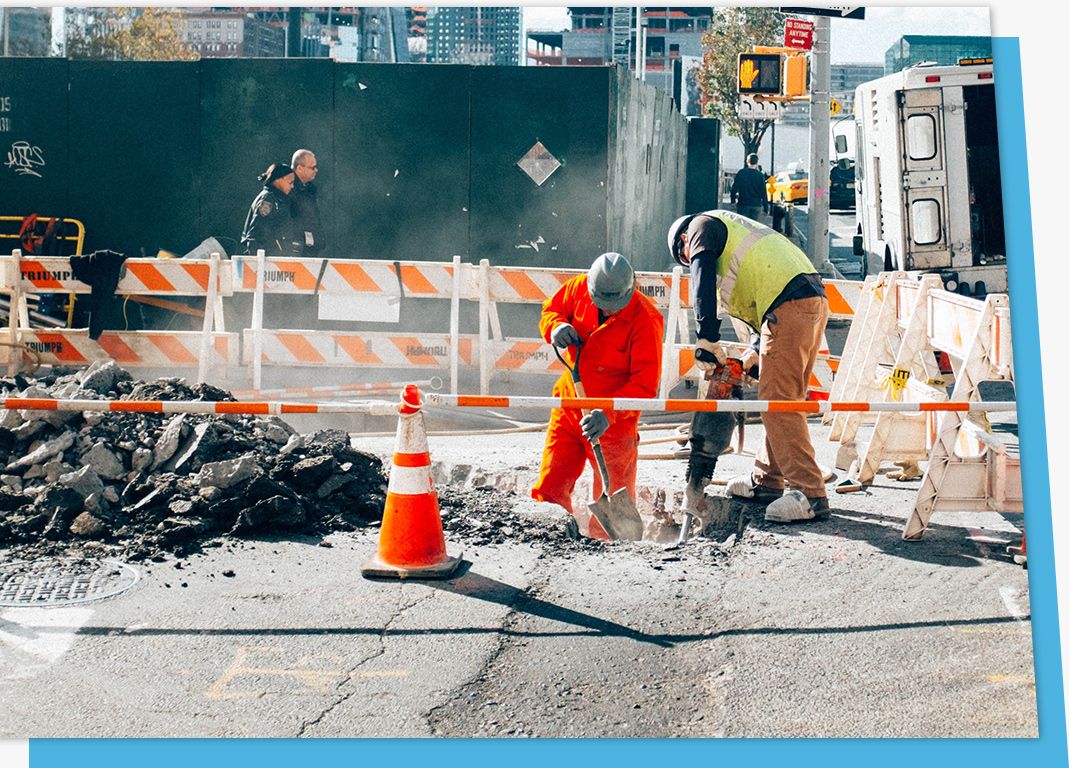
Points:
[(755, 267)]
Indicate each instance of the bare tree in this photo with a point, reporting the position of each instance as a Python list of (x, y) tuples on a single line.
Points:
[(733, 31)]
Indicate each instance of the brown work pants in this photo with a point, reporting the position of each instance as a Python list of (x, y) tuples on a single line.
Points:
[(790, 340)]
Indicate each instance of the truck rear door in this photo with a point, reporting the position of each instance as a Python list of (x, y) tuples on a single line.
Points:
[(924, 179)]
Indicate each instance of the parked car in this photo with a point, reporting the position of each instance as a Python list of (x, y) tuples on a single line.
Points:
[(790, 187), (841, 189)]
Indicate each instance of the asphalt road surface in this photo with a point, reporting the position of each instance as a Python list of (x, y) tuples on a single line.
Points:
[(836, 628)]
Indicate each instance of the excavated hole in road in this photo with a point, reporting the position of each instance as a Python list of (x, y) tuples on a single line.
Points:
[(492, 508)]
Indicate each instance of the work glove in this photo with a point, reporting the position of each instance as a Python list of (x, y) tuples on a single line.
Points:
[(712, 352), (564, 336), (750, 359), (594, 424)]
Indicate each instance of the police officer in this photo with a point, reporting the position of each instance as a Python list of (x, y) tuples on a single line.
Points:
[(760, 277), (304, 203), (269, 224)]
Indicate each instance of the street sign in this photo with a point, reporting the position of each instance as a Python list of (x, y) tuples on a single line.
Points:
[(835, 106), (751, 109), (835, 11), (798, 33)]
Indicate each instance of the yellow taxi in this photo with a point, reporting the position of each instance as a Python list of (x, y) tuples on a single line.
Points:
[(789, 187)]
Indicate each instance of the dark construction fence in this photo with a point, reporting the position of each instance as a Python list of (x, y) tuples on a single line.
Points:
[(416, 161)]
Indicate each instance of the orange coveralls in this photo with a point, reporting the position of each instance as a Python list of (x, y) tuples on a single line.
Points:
[(620, 358)]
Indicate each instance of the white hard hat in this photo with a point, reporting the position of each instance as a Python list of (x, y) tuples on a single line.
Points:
[(611, 282), (675, 239)]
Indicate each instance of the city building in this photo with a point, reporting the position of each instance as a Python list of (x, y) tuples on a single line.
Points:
[(341, 33), (845, 78), (261, 39), (214, 34), (25, 31), (474, 35), (939, 49), (604, 35), (416, 17)]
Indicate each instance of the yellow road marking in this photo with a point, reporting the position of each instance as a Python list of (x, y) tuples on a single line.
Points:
[(304, 673)]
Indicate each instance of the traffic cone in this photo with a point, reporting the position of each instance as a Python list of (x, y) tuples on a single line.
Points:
[(411, 541)]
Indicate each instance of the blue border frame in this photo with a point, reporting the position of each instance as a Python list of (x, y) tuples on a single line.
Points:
[(1048, 749)]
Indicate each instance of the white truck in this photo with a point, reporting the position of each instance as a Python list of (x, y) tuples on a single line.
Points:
[(928, 186)]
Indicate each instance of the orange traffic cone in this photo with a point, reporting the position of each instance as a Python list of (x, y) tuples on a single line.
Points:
[(411, 542)]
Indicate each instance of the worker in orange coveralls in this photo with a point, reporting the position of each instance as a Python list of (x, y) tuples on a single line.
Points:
[(621, 335)]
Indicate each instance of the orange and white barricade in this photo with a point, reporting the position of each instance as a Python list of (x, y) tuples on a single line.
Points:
[(911, 372), (210, 278), (904, 324), (335, 279), (970, 468)]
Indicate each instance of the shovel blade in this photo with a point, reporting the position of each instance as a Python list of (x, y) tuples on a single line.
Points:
[(599, 514), (618, 516)]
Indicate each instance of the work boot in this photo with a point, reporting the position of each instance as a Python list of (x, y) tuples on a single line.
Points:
[(744, 487), (795, 507)]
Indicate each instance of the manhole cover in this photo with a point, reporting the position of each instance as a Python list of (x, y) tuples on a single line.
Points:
[(44, 583)]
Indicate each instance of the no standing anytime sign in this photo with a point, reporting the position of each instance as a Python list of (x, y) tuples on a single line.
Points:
[(798, 33)]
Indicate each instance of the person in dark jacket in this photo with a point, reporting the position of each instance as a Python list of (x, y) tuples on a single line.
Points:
[(269, 224), (304, 204), (748, 192)]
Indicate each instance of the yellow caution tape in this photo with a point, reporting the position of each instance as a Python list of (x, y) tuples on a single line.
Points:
[(895, 383)]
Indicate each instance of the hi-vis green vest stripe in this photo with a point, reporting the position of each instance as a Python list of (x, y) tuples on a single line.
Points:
[(754, 268)]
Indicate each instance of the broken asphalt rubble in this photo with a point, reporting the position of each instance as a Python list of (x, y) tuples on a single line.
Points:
[(139, 485), (155, 482)]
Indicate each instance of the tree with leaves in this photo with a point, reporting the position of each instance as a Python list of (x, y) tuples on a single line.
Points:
[(127, 34), (733, 31)]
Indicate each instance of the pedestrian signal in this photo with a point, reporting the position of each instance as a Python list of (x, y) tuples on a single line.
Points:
[(760, 73)]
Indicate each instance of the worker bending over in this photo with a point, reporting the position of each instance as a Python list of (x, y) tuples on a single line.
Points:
[(617, 335), (760, 277)]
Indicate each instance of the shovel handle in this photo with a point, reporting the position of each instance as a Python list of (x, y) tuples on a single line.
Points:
[(600, 456), (580, 391)]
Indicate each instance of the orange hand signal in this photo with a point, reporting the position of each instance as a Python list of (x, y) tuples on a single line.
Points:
[(748, 73)]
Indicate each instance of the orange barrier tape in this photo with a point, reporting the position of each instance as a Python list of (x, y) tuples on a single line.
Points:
[(383, 407)]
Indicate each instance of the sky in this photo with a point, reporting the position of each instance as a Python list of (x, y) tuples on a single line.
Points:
[(852, 41)]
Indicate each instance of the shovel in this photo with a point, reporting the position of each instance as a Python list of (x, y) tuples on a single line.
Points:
[(617, 513)]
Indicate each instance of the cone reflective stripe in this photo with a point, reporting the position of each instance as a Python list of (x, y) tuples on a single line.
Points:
[(411, 541)]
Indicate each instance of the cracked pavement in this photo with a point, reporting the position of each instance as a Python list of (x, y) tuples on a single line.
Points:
[(836, 628)]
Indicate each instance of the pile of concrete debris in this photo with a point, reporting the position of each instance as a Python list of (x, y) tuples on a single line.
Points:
[(151, 482)]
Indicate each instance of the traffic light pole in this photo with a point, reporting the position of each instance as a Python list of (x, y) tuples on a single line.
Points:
[(817, 244)]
